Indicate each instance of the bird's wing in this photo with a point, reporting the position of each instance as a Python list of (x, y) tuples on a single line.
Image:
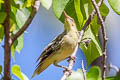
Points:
[(51, 48)]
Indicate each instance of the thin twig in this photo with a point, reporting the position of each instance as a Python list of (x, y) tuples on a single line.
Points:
[(7, 42), (83, 70), (91, 16), (111, 66), (71, 61), (35, 9), (104, 38)]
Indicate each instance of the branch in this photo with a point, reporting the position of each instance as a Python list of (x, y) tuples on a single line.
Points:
[(91, 16), (111, 66), (71, 61), (83, 70), (7, 42), (104, 38), (29, 20)]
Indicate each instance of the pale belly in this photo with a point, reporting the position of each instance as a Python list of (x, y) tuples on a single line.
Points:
[(66, 50)]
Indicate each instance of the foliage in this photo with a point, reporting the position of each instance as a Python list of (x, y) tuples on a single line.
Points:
[(46, 3), (115, 4), (0, 69), (17, 71), (18, 21), (80, 10), (1, 32), (18, 8), (94, 73)]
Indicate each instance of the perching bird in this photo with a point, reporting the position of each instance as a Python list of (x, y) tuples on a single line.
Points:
[(60, 48)]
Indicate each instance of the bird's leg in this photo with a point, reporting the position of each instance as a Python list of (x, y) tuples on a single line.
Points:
[(66, 68), (56, 64)]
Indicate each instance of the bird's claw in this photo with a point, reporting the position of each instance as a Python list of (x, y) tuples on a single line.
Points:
[(72, 58), (68, 70)]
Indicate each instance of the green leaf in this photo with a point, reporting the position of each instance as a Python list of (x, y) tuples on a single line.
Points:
[(17, 72), (0, 69), (13, 52), (104, 10), (117, 77), (46, 3), (76, 75), (20, 3), (17, 22), (94, 73), (12, 25), (95, 22), (2, 16), (93, 50), (59, 6), (115, 4), (20, 43), (17, 46), (78, 11), (14, 10), (110, 78), (21, 19), (95, 26), (1, 1), (1, 32), (65, 5), (28, 3)]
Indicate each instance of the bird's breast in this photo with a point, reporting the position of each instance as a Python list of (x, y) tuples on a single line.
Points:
[(67, 48)]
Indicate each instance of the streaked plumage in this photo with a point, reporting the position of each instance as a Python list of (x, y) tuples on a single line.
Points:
[(60, 48)]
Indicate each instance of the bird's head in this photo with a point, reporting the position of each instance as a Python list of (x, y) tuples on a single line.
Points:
[(69, 22)]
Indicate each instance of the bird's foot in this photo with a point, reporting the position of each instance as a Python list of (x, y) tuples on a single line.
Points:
[(71, 58), (67, 70)]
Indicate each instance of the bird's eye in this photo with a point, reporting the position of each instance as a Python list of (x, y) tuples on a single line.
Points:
[(72, 20)]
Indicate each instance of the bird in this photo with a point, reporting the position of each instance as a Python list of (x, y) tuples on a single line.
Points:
[(60, 48)]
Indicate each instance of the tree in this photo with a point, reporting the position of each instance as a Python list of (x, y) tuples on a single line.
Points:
[(89, 16)]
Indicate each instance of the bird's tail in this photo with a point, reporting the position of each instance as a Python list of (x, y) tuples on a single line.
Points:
[(41, 67)]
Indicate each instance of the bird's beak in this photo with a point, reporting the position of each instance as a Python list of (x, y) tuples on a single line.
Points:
[(65, 14)]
